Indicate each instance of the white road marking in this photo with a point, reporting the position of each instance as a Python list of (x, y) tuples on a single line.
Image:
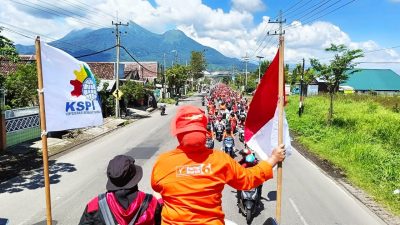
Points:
[(298, 212)]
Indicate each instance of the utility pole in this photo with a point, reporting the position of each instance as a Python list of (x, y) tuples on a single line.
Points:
[(163, 81), (281, 103), (301, 106), (259, 68), (246, 59), (118, 36)]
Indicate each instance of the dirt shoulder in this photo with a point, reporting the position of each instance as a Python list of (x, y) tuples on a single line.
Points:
[(340, 176)]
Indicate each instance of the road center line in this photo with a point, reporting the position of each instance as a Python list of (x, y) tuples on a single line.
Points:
[(298, 212)]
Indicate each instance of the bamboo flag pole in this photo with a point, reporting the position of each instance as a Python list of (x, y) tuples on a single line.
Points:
[(43, 129), (280, 128)]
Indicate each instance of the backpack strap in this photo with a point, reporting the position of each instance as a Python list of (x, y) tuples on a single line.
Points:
[(105, 210), (141, 209)]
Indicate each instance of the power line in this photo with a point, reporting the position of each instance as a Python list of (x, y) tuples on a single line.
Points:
[(382, 49), (310, 9), (314, 19), (388, 62), (288, 10), (315, 8), (320, 11), (127, 52), (56, 13), (34, 34), (298, 8), (310, 21), (72, 14), (260, 43), (95, 53), (91, 6), (16, 32)]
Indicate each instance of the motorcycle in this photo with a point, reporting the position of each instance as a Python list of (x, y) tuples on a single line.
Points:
[(241, 135), (209, 143), (248, 202), (219, 130), (228, 144), (162, 108)]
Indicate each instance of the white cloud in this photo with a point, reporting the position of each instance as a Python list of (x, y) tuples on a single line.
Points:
[(233, 33), (248, 5)]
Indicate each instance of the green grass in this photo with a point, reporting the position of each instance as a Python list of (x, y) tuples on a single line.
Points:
[(167, 100), (363, 140)]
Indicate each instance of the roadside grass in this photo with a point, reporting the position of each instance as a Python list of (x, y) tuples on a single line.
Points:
[(364, 140), (167, 101)]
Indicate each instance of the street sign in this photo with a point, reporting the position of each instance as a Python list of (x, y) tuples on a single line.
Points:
[(118, 94)]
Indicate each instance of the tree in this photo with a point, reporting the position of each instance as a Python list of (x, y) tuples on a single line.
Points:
[(177, 76), (264, 66), (226, 80), (286, 71), (7, 49), (7, 52), (338, 70), (295, 76), (197, 64), (21, 86)]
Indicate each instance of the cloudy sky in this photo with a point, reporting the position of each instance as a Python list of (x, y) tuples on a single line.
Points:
[(233, 27)]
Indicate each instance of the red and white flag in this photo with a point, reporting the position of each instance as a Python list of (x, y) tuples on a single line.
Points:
[(261, 127)]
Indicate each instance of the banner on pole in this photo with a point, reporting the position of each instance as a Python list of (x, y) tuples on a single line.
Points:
[(70, 94), (261, 126)]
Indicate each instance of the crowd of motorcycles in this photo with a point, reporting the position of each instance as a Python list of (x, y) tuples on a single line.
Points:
[(227, 112)]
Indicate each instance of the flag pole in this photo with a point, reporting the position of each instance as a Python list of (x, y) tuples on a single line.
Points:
[(280, 127), (43, 131)]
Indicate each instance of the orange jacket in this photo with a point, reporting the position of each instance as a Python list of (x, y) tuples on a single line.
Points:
[(191, 184)]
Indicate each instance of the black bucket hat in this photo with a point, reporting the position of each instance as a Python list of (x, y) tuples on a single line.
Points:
[(122, 173)]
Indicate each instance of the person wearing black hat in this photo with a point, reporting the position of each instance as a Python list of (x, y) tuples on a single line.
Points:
[(123, 203)]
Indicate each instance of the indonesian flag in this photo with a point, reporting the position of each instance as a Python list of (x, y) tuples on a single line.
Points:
[(261, 127)]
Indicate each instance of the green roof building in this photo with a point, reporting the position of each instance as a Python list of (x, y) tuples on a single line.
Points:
[(378, 80)]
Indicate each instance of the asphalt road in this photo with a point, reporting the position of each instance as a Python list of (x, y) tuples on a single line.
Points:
[(310, 197)]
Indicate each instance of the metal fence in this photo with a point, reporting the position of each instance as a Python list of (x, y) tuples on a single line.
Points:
[(22, 125), (21, 112)]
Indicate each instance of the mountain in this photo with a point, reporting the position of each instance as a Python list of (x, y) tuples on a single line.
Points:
[(142, 44)]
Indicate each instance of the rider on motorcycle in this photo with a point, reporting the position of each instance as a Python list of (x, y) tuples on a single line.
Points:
[(233, 121), (210, 136), (228, 132), (249, 160)]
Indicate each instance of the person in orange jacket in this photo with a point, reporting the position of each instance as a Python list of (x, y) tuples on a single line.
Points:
[(190, 178)]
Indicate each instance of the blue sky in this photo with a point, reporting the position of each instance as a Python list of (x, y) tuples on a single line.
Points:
[(362, 19)]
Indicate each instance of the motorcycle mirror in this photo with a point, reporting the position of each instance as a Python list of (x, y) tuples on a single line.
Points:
[(270, 221)]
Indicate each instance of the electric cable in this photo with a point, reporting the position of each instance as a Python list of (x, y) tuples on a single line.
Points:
[(95, 53), (127, 52)]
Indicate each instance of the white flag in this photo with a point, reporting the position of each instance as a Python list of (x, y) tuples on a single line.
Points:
[(70, 94)]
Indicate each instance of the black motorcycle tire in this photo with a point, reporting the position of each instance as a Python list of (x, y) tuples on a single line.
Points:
[(249, 216)]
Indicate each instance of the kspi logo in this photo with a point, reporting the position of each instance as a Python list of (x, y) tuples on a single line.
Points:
[(84, 85)]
